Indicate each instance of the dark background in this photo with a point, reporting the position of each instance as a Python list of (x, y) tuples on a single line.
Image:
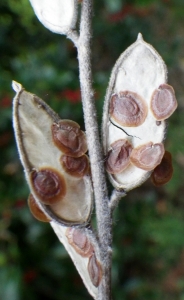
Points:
[(148, 248)]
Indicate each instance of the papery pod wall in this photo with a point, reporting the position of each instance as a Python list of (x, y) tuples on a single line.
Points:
[(138, 101)]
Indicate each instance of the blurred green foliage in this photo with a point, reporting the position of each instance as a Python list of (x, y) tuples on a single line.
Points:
[(148, 248)]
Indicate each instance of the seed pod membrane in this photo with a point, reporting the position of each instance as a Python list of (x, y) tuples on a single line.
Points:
[(66, 200), (129, 108), (83, 239), (58, 16)]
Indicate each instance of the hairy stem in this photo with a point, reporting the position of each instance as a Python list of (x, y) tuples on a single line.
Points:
[(103, 214)]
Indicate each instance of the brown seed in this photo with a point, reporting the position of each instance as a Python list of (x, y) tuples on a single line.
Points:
[(128, 109), (80, 241), (164, 171), (69, 138), (118, 158), (147, 156), (163, 102), (75, 166), (95, 270), (36, 211), (48, 185)]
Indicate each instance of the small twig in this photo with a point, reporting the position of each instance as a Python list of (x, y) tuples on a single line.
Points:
[(73, 36), (115, 198)]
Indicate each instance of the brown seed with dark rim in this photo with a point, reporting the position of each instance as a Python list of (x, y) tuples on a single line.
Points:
[(147, 156), (80, 241), (36, 211), (118, 158), (69, 138), (163, 102), (48, 185), (128, 109), (95, 270), (75, 166), (164, 171)]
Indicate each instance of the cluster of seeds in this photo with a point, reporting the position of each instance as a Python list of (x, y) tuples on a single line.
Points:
[(138, 102), (129, 110), (82, 244), (52, 152), (48, 184)]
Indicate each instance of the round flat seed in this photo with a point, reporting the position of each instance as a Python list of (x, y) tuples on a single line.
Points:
[(80, 241), (128, 109), (48, 185), (118, 158), (36, 211), (164, 171), (75, 166), (69, 138), (147, 156), (163, 102)]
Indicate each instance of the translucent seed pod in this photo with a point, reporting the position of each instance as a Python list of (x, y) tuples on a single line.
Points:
[(65, 199), (83, 249), (59, 16), (136, 98)]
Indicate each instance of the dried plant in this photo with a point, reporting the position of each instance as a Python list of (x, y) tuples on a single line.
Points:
[(65, 184)]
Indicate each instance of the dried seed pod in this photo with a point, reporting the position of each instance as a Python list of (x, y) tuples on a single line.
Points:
[(75, 166), (36, 211), (69, 138), (147, 156), (163, 102), (128, 109), (79, 240), (118, 158), (76, 245), (69, 201), (95, 270), (127, 114), (48, 185), (164, 171), (58, 16)]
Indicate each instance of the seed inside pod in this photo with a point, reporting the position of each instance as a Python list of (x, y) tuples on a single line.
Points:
[(164, 171), (69, 138), (75, 166), (48, 185), (147, 156), (36, 211), (95, 270), (163, 102), (118, 158), (80, 241), (128, 109)]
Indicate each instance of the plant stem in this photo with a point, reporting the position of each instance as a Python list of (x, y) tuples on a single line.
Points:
[(103, 214)]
